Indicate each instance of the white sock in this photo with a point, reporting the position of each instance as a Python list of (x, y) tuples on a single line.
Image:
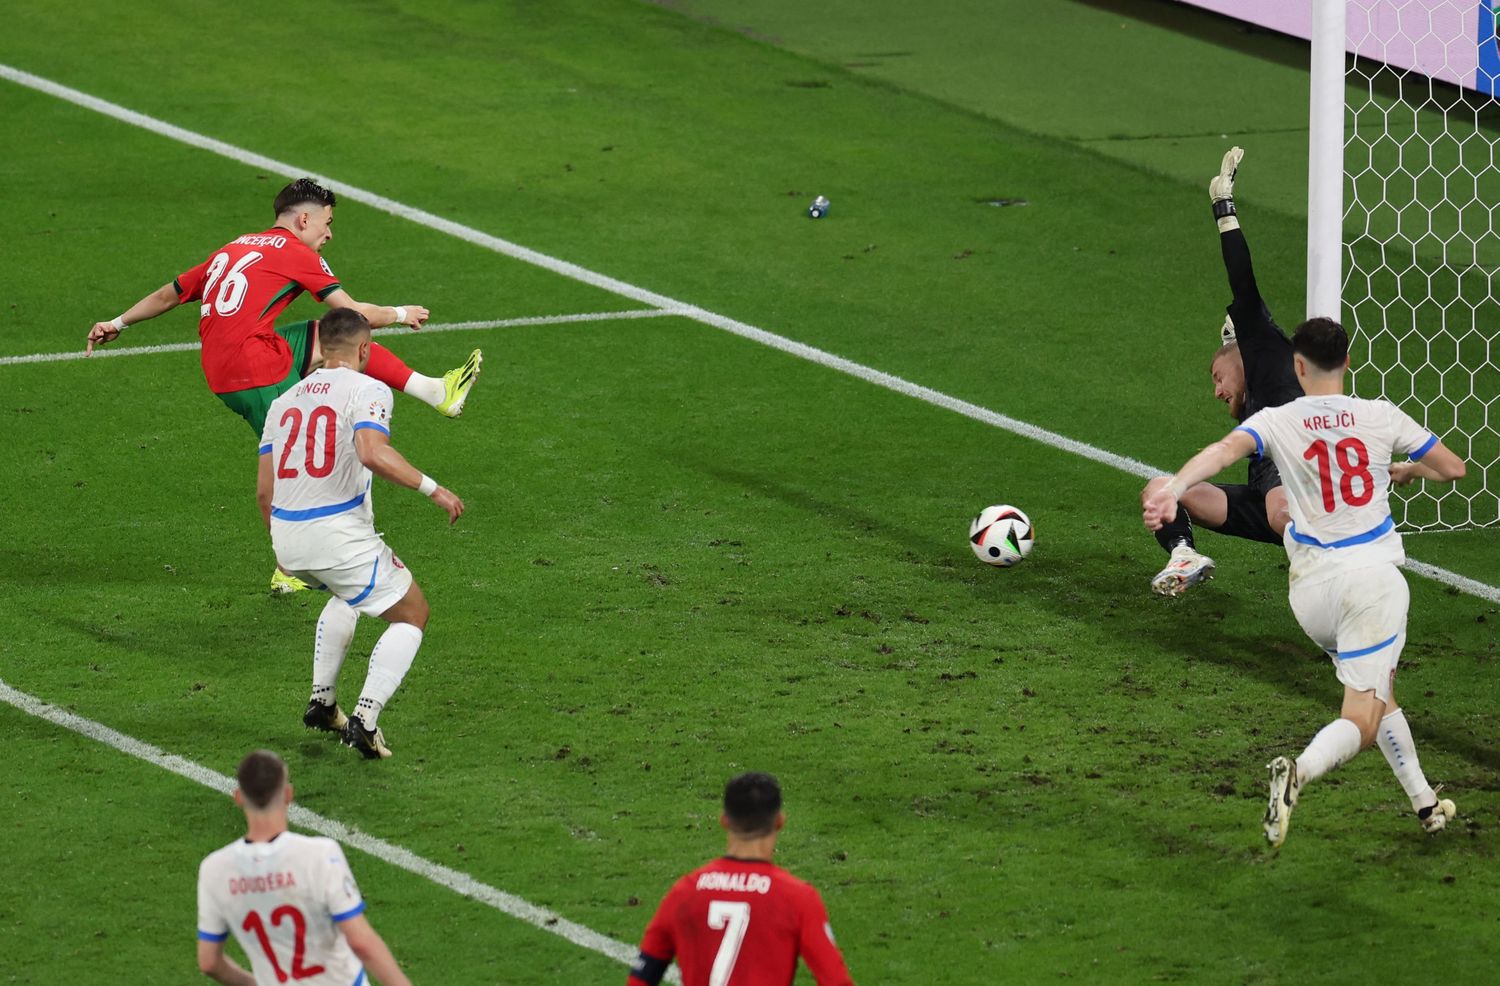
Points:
[(1336, 743), (1401, 753), (389, 662), (428, 390), (335, 631)]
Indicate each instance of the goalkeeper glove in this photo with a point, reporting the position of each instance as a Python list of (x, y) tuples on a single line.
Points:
[(1226, 332), (1221, 190)]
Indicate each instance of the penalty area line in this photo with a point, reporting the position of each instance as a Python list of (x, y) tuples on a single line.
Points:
[(460, 883), (390, 330), (635, 292)]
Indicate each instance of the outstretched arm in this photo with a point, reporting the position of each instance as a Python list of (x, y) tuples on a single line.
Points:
[(1231, 239), (373, 952), (1439, 464), (163, 299), (379, 315), (214, 964), (381, 458), (1161, 506)]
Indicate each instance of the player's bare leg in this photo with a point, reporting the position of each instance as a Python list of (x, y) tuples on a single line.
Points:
[(1187, 566), (335, 632), (1400, 749), (1277, 513), (389, 662), (1335, 744)]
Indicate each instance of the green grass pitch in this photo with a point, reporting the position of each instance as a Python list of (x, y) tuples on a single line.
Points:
[(687, 554)]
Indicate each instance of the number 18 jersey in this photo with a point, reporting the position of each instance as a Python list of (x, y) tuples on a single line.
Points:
[(1334, 453), (283, 901), (321, 513)]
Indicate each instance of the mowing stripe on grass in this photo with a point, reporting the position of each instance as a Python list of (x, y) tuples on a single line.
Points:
[(459, 883), (499, 323), (801, 350)]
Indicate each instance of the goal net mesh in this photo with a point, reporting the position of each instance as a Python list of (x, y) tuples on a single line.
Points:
[(1422, 240)]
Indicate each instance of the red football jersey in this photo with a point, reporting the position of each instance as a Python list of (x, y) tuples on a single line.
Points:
[(739, 922), (244, 285)]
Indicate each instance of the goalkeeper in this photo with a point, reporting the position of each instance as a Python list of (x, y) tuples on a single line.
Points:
[(1251, 370)]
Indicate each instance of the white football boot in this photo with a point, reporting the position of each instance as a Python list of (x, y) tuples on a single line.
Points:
[(1438, 816), (1186, 569), (1283, 799)]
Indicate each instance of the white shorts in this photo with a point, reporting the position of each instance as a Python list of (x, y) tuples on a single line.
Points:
[(372, 585), (1359, 618)]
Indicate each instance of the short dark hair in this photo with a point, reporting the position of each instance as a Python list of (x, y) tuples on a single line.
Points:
[(262, 775), (751, 803), (341, 328), (1322, 342), (304, 190)]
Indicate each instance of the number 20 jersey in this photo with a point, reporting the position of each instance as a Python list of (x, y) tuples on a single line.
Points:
[(283, 900), (1334, 453), (321, 513)]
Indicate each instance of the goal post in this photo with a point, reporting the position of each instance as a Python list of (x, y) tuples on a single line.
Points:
[(1404, 225)]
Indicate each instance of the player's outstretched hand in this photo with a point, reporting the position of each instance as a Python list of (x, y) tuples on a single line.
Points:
[(102, 334), (446, 499), (1158, 509), (416, 316), (1222, 185)]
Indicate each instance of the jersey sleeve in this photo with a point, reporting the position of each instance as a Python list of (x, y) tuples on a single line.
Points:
[(816, 945), (313, 274), (268, 435), (372, 406), (189, 284), (1409, 436), (658, 944), (1257, 426), (340, 893), (212, 925)]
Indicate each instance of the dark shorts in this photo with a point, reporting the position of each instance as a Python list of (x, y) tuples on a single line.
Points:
[(253, 404), (1247, 514)]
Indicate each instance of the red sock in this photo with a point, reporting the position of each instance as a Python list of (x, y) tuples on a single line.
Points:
[(387, 367)]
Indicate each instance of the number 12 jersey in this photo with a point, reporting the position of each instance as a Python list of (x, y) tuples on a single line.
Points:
[(283, 901)]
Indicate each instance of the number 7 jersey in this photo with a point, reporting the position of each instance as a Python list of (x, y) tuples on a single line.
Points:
[(321, 513), (1334, 454)]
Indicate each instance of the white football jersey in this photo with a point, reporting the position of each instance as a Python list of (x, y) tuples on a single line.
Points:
[(282, 900), (321, 509), (1334, 455)]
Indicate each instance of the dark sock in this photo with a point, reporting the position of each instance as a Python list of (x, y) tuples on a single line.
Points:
[(1179, 531)]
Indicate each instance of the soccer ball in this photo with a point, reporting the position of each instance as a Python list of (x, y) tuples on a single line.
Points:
[(1001, 536)]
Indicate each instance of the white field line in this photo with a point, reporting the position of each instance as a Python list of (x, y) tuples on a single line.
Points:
[(431, 327), (459, 883), (478, 238)]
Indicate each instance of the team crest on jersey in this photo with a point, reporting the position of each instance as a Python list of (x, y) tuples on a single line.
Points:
[(326, 269)]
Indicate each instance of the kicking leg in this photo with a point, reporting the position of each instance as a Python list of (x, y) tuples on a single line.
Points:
[(1187, 567), (447, 393), (335, 633), (389, 662), (1400, 751)]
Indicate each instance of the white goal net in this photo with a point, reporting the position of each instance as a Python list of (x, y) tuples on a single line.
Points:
[(1421, 235)]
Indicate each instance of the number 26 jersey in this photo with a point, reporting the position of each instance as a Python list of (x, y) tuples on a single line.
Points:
[(1334, 453)]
